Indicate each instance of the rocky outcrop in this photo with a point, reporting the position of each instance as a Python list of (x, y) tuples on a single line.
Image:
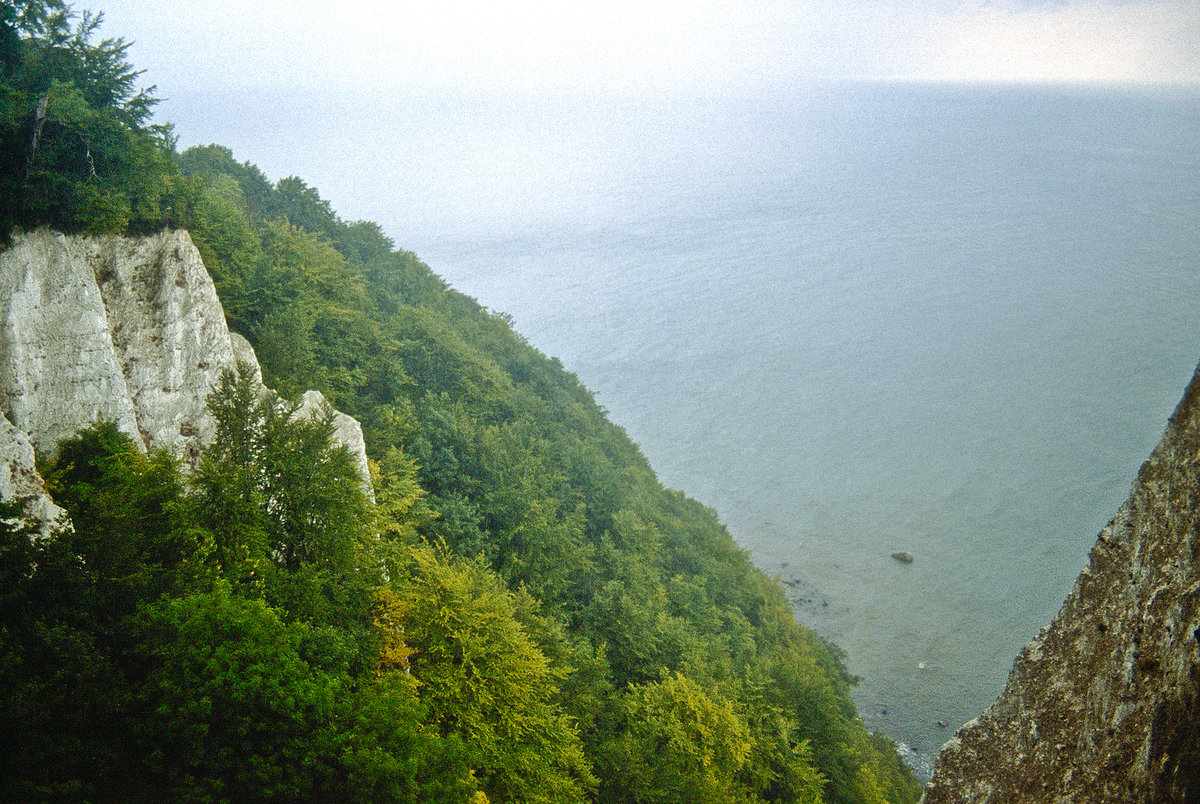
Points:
[(59, 371), (1104, 704), (19, 479), (124, 329), (168, 332), (243, 353)]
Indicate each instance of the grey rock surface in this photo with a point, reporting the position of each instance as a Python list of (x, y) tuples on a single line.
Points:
[(124, 329), (1104, 704), (19, 479), (168, 331), (59, 371), (243, 352)]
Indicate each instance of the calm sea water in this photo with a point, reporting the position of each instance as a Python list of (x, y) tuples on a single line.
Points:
[(944, 320), (852, 319)]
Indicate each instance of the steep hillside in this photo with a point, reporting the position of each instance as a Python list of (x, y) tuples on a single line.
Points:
[(650, 627), (524, 471)]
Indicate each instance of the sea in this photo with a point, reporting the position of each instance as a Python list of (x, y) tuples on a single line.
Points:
[(853, 318)]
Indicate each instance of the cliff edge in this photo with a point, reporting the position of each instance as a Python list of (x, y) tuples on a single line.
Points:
[(1104, 704), (124, 329)]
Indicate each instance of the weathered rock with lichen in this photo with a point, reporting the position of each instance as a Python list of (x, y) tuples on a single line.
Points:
[(168, 331), (19, 479), (123, 329), (1104, 704), (59, 371)]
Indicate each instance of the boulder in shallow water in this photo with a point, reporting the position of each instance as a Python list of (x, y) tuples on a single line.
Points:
[(903, 556)]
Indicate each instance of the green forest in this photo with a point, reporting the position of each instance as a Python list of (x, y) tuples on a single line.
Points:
[(523, 614)]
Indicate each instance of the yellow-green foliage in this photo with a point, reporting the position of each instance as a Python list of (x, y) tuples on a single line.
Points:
[(484, 678), (683, 743)]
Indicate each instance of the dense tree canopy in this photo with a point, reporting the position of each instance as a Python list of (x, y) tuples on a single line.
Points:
[(77, 150), (525, 614)]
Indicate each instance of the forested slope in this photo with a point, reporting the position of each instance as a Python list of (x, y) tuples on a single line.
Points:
[(525, 615)]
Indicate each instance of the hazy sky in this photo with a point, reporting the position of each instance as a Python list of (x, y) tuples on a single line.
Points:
[(430, 116), (652, 45)]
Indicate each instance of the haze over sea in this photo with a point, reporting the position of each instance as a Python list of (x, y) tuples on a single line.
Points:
[(854, 319)]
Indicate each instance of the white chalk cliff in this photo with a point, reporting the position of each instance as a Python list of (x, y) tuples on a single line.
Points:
[(126, 329), (19, 479)]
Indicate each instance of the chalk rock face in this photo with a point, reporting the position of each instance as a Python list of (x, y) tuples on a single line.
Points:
[(243, 352), (127, 329), (19, 479), (1104, 704), (59, 371), (168, 332)]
